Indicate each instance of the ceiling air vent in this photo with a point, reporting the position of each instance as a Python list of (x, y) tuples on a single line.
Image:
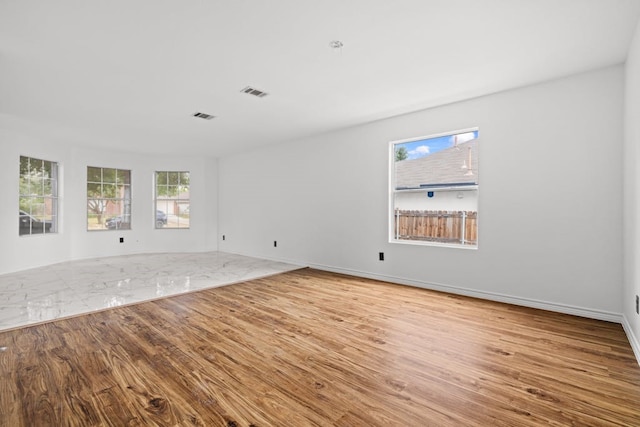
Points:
[(203, 116), (255, 92)]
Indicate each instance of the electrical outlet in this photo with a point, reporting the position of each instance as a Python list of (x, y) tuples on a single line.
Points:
[(275, 244), (122, 240), (381, 256), (223, 237), (637, 304)]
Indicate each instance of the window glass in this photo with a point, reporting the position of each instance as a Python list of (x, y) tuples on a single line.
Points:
[(38, 196), (172, 199), (434, 189), (108, 199)]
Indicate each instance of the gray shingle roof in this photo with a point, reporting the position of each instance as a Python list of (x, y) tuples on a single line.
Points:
[(440, 169)]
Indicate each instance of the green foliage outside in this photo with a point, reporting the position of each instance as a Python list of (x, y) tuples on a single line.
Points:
[(37, 181), (401, 154), (105, 186), (171, 184)]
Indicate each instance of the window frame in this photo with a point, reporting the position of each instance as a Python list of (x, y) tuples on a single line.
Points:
[(177, 200), (53, 198), (119, 180), (393, 192)]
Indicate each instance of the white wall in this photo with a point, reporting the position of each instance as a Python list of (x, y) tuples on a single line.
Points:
[(632, 194), (550, 206), (74, 241)]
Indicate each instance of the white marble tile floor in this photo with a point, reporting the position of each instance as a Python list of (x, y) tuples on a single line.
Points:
[(78, 287)]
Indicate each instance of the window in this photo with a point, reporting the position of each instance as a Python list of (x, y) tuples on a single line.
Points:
[(108, 199), (434, 190), (38, 196), (172, 199)]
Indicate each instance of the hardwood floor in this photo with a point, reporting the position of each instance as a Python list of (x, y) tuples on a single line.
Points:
[(311, 348)]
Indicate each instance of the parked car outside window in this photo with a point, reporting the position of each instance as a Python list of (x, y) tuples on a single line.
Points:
[(116, 222), (29, 224), (161, 219)]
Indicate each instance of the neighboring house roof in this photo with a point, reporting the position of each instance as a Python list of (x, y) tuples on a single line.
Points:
[(443, 168)]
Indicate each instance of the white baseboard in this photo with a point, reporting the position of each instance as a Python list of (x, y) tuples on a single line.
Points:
[(635, 345), (509, 299)]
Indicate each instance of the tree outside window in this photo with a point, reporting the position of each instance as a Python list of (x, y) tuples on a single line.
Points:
[(38, 199), (108, 199)]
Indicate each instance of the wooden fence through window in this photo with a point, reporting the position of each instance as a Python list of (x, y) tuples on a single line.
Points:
[(437, 226)]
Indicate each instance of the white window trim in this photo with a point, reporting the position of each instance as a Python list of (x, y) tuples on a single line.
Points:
[(124, 199), (392, 192), (55, 198), (155, 199)]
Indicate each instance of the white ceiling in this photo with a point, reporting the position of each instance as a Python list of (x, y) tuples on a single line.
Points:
[(129, 74)]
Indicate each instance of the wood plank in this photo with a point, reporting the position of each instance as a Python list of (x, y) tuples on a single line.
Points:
[(311, 348)]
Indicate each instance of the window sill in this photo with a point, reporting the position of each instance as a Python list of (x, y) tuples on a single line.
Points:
[(434, 244)]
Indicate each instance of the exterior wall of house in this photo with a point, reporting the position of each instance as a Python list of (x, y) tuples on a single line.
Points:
[(73, 240), (550, 238), (441, 201), (632, 194)]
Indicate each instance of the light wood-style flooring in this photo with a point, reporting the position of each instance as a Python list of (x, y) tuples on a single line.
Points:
[(311, 348)]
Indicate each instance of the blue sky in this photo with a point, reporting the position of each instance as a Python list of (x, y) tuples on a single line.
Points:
[(424, 147)]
